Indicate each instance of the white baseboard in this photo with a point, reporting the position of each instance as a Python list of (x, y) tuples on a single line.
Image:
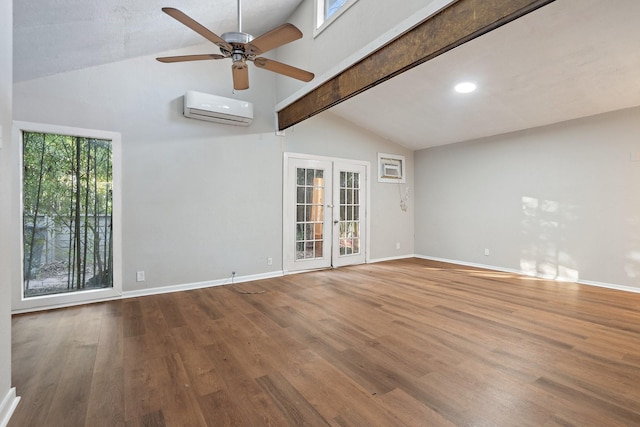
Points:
[(8, 406), (160, 290), (392, 258), (200, 285), (609, 286), (272, 274), (522, 273), (471, 264)]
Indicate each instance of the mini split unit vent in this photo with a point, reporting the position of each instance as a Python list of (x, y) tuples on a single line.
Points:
[(214, 108)]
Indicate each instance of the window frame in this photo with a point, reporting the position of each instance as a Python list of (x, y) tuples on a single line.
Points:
[(25, 304), (320, 23)]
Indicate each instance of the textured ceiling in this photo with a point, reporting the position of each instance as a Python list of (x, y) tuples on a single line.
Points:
[(569, 59), (55, 36)]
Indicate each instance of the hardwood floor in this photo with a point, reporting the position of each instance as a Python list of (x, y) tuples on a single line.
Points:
[(408, 342)]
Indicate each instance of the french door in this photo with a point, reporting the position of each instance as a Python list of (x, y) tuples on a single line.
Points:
[(324, 213)]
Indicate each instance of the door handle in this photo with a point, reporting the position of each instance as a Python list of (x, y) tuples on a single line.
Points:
[(336, 221)]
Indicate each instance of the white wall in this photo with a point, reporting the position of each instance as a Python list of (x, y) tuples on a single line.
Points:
[(355, 33), (201, 200), (7, 394), (329, 135), (558, 201)]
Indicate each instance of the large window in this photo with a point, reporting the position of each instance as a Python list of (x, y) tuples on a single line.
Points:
[(328, 10), (67, 212)]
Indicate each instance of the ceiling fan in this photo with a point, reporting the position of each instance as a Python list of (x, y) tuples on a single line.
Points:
[(242, 47)]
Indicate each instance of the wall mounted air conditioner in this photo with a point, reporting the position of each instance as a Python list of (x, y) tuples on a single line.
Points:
[(213, 108)]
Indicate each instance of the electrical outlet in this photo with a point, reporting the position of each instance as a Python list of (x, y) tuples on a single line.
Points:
[(139, 276), (269, 261), (486, 251), (397, 245)]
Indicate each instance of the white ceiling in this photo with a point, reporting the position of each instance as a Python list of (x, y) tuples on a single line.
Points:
[(570, 59), (55, 36)]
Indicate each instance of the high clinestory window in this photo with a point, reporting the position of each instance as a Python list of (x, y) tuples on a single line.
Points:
[(328, 11)]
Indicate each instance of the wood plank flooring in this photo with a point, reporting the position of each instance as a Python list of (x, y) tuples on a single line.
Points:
[(408, 342)]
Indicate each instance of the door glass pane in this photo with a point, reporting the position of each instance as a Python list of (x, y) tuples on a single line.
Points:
[(309, 213), (349, 213), (67, 214)]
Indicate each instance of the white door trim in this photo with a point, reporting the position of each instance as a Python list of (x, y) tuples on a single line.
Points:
[(286, 218)]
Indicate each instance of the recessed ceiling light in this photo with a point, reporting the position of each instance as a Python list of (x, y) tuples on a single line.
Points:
[(465, 87)]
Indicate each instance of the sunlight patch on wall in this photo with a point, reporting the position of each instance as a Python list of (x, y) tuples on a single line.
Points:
[(632, 264), (544, 225), (632, 267)]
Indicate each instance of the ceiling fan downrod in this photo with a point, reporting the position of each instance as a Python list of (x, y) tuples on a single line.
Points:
[(237, 37)]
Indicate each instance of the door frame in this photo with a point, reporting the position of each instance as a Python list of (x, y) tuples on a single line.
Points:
[(338, 260), (287, 255)]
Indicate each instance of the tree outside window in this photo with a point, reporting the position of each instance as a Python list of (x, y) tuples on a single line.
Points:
[(67, 214)]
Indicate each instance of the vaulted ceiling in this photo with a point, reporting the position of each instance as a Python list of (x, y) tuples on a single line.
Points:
[(566, 60), (569, 59), (55, 36)]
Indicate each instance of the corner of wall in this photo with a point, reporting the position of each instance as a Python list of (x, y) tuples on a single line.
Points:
[(7, 406)]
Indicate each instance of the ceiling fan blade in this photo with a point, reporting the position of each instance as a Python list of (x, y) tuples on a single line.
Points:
[(284, 69), (197, 27), (277, 37), (240, 75), (183, 58)]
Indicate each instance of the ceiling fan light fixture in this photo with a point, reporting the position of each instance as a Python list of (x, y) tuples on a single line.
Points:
[(465, 87), (240, 64)]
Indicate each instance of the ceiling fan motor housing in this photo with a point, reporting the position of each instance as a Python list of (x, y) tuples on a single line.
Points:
[(237, 40), (237, 37)]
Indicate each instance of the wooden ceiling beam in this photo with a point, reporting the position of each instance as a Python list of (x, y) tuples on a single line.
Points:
[(458, 23)]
